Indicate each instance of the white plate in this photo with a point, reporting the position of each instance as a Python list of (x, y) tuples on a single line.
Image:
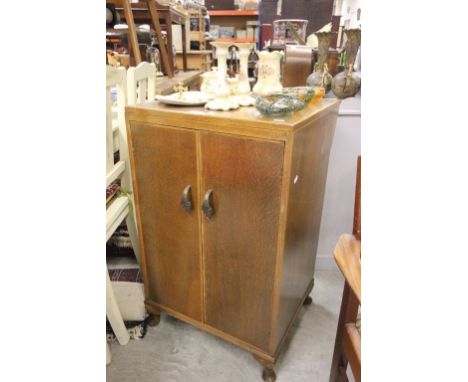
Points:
[(192, 98)]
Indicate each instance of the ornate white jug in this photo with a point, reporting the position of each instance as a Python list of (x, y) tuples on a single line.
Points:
[(269, 73)]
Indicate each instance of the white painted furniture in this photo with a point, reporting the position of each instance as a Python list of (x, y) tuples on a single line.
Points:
[(141, 85), (120, 207), (108, 354)]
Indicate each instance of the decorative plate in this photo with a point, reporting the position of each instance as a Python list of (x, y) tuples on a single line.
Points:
[(190, 98)]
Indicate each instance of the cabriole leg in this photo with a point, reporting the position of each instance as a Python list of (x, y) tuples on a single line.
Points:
[(268, 374)]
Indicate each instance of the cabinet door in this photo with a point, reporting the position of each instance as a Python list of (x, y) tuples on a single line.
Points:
[(165, 164), (240, 239)]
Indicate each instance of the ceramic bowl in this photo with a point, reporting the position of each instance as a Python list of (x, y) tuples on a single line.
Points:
[(304, 93), (277, 105)]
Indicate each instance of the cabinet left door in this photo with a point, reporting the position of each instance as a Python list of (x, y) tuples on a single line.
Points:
[(166, 193)]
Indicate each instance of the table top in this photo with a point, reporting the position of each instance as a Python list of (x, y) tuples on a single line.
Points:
[(184, 116), (140, 12)]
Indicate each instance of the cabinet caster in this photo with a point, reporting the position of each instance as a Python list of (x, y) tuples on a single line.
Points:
[(268, 375), (307, 301), (153, 319)]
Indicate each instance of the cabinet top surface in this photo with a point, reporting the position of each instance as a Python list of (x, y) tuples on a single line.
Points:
[(250, 116)]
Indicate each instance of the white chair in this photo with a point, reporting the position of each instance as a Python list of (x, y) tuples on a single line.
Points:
[(141, 84), (119, 208)]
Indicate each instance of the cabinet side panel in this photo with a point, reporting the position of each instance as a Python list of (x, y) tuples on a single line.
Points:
[(240, 240), (309, 166), (164, 162)]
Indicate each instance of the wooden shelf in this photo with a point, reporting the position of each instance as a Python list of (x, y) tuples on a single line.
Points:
[(233, 13)]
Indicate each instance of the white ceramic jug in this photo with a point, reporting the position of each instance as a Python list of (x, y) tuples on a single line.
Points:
[(269, 73), (210, 82)]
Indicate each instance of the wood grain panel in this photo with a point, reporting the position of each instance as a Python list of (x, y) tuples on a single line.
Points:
[(240, 241), (164, 164), (311, 151)]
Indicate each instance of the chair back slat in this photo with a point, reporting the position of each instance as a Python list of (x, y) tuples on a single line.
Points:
[(109, 134), (141, 83), (116, 78)]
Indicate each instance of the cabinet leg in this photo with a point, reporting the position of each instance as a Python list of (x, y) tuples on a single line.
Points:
[(268, 374), (154, 319), (307, 301)]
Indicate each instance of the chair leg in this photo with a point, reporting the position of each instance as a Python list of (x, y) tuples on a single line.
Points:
[(108, 354), (348, 312), (113, 314), (132, 233)]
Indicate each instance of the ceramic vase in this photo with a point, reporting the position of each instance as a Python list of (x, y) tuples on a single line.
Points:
[(320, 75), (242, 91), (244, 51), (222, 92), (347, 83), (269, 73)]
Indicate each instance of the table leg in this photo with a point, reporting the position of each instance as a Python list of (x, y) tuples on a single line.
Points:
[(168, 20), (162, 47), (132, 36), (184, 48)]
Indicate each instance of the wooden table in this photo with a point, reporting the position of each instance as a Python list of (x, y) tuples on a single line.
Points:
[(167, 14), (229, 206), (165, 85)]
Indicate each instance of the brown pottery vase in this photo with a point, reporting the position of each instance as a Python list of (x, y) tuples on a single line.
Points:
[(347, 83), (320, 75)]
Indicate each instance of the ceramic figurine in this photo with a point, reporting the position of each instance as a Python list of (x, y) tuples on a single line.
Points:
[(347, 83), (222, 92), (180, 89), (269, 73)]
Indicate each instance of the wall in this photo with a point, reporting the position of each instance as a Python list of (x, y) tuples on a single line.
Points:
[(338, 209), (348, 10)]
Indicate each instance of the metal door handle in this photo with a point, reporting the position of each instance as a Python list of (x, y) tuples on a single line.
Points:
[(186, 200), (207, 204)]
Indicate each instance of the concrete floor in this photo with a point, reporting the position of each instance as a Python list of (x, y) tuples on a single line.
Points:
[(176, 352)]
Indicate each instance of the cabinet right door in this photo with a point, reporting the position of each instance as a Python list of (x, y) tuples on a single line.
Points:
[(240, 239)]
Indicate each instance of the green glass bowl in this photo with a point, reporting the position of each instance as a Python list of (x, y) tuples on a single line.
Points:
[(304, 93), (278, 105)]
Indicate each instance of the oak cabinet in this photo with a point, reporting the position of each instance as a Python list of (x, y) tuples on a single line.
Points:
[(228, 208)]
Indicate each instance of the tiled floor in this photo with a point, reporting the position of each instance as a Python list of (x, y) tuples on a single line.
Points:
[(176, 352)]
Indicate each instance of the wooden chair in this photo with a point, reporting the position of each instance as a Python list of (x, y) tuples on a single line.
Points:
[(141, 83), (348, 335), (119, 209)]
